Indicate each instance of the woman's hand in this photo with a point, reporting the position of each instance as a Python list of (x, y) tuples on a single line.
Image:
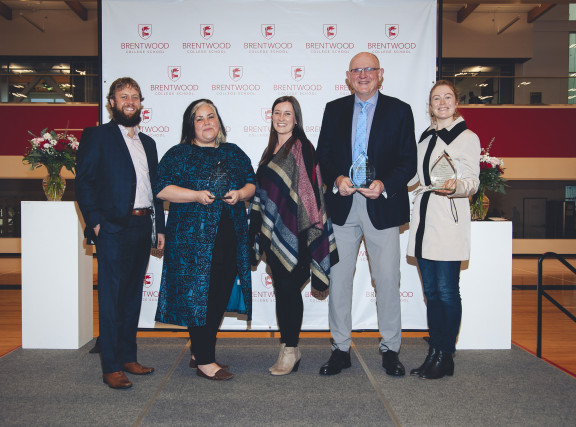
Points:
[(450, 188), (232, 197), (204, 197)]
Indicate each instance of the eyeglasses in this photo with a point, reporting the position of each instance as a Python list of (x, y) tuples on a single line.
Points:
[(367, 70)]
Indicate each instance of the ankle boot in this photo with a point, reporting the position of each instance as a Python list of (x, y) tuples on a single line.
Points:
[(275, 365), (289, 362), (427, 362), (441, 365)]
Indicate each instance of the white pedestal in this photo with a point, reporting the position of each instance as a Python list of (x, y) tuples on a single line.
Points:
[(57, 310), (486, 288)]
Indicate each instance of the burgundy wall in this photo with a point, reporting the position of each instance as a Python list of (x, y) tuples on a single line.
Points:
[(16, 120), (519, 131)]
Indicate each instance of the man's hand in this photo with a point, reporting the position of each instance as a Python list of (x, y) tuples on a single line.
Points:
[(344, 186), (374, 191), (161, 241), (97, 230)]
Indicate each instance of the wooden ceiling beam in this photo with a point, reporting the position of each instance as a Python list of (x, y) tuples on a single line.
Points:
[(5, 11), (466, 11), (538, 11), (78, 9)]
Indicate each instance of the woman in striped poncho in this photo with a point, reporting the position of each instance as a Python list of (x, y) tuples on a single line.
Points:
[(289, 224)]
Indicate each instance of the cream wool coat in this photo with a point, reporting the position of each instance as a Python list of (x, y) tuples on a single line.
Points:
[(446, 235)]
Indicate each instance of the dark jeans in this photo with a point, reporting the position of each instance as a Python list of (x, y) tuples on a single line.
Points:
[(122, 261), (444, 306), (222, 277)]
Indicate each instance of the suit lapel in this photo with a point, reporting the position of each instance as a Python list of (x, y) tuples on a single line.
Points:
[(121, 143), (346, 129), (377, 129)]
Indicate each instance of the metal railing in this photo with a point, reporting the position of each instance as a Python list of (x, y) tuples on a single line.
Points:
[(542, 292)]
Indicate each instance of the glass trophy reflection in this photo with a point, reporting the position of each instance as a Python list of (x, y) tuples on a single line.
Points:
[(441, 171), (362, 172), (219, 183)]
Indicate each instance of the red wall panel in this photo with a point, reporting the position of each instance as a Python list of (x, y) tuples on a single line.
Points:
[(524, 131), (519, 131), (17, 119)]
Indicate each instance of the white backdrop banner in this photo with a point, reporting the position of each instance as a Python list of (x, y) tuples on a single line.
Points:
[(243, 55)]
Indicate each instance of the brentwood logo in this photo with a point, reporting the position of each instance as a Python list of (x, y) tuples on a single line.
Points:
[(330, 31), (266, 114), (174, 72), (392, 31), (148, 280), (268, 31), (236, 72), (298, 72), (206, 30), (146, 115), (266, 280), (145, 31)]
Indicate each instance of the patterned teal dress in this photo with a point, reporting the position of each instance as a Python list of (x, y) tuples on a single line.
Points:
[(191, 231)]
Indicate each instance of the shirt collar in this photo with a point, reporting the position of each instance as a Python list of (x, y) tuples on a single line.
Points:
[(372, 100), (125, 129)]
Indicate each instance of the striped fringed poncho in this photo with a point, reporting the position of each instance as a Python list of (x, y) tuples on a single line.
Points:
[(288, 206)]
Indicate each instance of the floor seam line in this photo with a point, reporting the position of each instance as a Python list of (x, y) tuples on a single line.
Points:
[(161, 386), (374, 384)]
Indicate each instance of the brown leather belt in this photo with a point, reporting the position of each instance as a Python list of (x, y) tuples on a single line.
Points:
[(142, 212)]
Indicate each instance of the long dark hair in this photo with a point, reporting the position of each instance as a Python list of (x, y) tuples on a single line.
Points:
[(188, 132), (297, 132)]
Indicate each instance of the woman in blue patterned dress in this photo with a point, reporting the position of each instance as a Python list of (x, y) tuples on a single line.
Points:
[(206, 254)]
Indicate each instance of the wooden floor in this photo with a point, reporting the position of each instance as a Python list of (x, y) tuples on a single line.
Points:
[(559, 332)]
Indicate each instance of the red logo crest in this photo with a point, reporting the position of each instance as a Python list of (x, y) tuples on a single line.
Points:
[(266, 280), (236, 72), (330, 31), (268, 31), (298, 72), (145, 31), (206, 30), (146, 115), (148, 280), (392, 31), (174, 72), (266, 114)]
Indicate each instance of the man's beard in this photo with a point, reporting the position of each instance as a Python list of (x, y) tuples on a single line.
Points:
[(122, 119)]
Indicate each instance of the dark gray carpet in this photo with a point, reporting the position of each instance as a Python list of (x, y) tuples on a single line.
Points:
[(489, 388)]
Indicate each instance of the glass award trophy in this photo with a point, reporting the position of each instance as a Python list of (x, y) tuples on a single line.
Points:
[(441, 171), (219, 183), (362, 172)]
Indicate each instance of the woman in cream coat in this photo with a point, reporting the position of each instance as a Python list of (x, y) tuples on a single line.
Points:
[(440, 225)]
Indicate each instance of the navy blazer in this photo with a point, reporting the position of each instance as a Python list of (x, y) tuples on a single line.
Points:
[(106, 178), (391, 149)]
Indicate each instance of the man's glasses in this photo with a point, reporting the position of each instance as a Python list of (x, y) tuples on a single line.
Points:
[(367, 70)]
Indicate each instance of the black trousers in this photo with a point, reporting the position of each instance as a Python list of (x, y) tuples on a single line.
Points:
[(289, 304), (222, 276)]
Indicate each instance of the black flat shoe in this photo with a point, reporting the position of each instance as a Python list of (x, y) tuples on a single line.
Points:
[(392, 364), (220, 375), (338, 360), (193, 364)]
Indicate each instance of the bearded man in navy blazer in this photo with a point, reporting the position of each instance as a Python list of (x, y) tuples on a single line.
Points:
[(115, 178), (382, 128)]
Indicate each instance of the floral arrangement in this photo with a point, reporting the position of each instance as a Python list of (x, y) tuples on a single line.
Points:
[(491, 171), (53, 150)]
